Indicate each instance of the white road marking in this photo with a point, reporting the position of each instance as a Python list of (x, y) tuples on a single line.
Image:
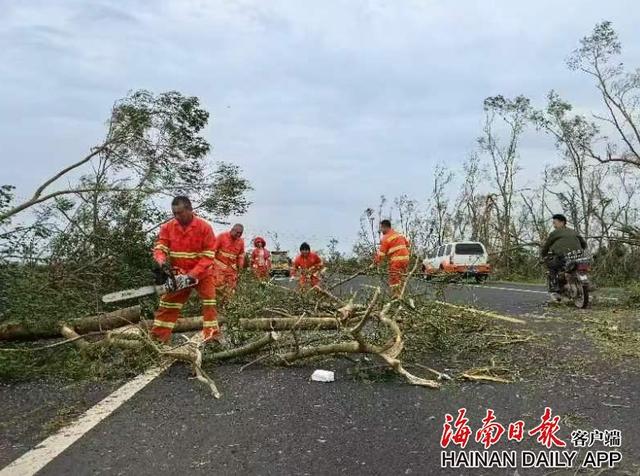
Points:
[(36, 459), (520, 290)]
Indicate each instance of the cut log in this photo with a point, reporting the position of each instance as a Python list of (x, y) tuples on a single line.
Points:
[(34, 331), (27, 332), (110, 320)]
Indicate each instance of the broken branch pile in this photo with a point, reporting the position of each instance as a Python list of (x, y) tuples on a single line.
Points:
[(309, 325)]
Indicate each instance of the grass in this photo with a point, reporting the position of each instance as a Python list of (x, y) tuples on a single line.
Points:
[(456, 341), (614, 330), (69, 363)]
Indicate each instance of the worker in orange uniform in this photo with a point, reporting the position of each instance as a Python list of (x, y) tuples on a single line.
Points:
[(260, 259), (184, 253), (229, 260), (395, 248), (308, 265)]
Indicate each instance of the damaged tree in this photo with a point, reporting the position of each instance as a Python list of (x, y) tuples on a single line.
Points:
[(312, 325), (86, 236), (85, 325)]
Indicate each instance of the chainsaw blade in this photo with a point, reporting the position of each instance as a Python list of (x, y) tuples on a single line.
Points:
[(133, 293)]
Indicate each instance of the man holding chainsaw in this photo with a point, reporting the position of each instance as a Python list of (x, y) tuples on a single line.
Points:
[(395, 248), (184, 254), (308, 265)]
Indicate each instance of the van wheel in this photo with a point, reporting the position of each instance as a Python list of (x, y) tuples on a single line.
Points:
[(481, 278)]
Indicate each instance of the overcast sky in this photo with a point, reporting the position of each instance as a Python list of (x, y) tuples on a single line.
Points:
[(325, 105)]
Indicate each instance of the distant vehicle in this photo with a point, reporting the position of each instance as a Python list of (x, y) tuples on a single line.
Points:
[(458, 259), (280, 263)]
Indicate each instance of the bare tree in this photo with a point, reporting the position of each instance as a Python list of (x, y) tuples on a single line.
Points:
[(438, 205), (503, 159), (275, 240), (597, 56), (536, 210), (413, 223), (468, 207), (578, 177)]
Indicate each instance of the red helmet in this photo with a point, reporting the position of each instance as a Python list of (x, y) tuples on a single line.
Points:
[(259, 239)]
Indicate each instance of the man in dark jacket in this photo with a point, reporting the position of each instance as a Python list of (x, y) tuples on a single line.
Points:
[(561, 241)]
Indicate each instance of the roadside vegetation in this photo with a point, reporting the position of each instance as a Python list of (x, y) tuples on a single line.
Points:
[(593, 179)]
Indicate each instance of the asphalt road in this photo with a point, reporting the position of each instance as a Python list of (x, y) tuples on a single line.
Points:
[(509, 298), (275, 421)]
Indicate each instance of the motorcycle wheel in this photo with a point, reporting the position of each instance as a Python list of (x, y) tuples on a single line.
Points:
[(582, 300)]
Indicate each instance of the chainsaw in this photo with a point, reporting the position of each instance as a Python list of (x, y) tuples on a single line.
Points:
[(172, 284)]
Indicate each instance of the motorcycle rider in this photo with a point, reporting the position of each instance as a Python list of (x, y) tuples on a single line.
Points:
[(561, 241)]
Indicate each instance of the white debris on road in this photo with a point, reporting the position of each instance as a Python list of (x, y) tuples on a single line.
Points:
[(322, 376)]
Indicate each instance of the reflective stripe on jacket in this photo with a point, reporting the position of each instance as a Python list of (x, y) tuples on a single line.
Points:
[(394, 247), (189, 248), (229, 252)]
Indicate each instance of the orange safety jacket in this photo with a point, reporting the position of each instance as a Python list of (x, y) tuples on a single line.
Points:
[(394, 247), (189, 248), (261, 258), (229, 253), (312, 263)]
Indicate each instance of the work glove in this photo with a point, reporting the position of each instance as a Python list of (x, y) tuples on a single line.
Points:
[(166, 267), (161, 272)]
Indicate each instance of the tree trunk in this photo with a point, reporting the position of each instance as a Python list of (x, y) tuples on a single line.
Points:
[(110, 320)]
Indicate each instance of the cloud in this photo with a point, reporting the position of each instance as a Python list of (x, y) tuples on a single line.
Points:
[(325, 105)]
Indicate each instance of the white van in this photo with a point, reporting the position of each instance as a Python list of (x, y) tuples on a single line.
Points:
[(460, 258)]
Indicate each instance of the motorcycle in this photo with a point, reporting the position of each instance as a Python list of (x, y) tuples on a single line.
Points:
[(573, 279)]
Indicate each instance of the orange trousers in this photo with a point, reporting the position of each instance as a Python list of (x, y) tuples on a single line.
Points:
[(171, 304), (397, 276), (261, 272), (226, 283)]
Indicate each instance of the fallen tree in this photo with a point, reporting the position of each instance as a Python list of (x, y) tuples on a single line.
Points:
[(270, 324), (349, 323), (84, 325)]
